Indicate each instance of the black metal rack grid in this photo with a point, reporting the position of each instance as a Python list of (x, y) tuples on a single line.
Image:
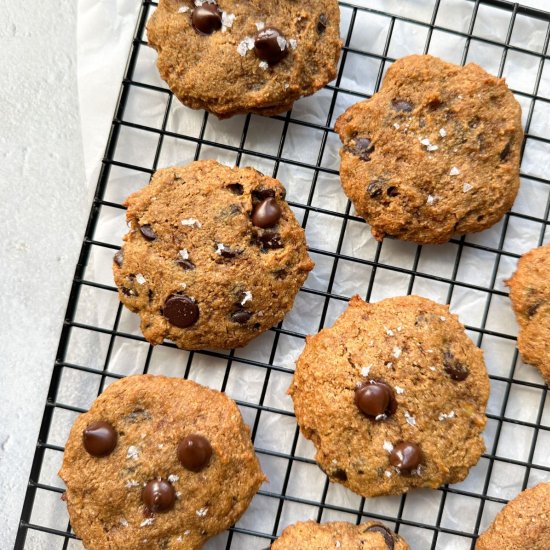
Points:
[(424, 517)]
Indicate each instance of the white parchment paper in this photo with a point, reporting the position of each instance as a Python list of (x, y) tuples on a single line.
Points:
[(103, 22)]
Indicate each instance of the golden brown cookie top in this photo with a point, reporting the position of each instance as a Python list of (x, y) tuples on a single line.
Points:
[(393, 396), (530, 296), (235, 57), (435, 152), (158, 462), (524, 523), (213, 258), (309, 535)]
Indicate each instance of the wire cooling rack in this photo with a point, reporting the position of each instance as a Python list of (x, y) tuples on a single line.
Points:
[(101, 342)]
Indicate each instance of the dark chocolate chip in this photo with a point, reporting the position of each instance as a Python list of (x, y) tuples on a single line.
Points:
[(402, 105), (270, 45), (363, 148), (181, 311), (267, 213), (194, 452), (340, 474), (385, 532), (263, 193), (271, 240), (375, 398), (505, 153), (236, 188), (374, 188), (531, 310), (147, 232), (454, 368), (128, 291), (322, 23), (241, 316), (392, 191), (158, 495), (280, 274), (150, 295), (99, 438), (226, 252), (207, 18), (118, 258), (188, 265), (406, 456), (234, 209)]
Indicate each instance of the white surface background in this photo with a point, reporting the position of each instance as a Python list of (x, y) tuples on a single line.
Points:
[(44, 200)]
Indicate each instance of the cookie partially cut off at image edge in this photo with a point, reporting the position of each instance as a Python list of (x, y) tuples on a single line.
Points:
[(234, 57), (524, 523), (530, 297), (435, 152), (158, 462), (393, 397), (214, 256), (310, 535)]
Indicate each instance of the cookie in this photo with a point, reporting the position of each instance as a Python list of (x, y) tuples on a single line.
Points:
[(234, 57), (158, 462), (523, 523), (213, 258), (435, 152), (530, 297), (309, 535), (393, 397)]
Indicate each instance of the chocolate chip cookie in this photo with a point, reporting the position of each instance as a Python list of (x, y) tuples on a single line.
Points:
[(523, 523), (393, 396), (213, 258), (158, 462), (309, 535), (435, 152), (530, 296), (232, 57)]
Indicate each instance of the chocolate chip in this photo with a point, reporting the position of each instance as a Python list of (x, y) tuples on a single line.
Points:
[(271, 240), (207, 18), (194, 452), (226, 252), (270, 45), (280, 274), (181, 311), (241, 316), (385, 532), (531, 310), (406, 456), (147, 232), (374, 188), (236, 188), (267, 213), (402, 105), (392, 191), (454, 368), (340, 474), (505, 153), (375, 398), (99, 438), (158, 495), (187, 265), (322, 23), (118, 258), (363, 148), (128, 291), (150, 295), (263, 193)]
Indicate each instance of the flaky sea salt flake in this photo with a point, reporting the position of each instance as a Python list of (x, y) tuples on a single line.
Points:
[(399, 390), (264, 65), (430, 199), (172, 478), (184, 9), (244, 45), (454, 171), (184, 254), (133, 452), (227, 20), (397, 352), (123, 522), (410, 418), (282, 42), (387, 446), (293, 43), (445, 416), (147, 521), (140, 279), (466, 187), (389, 331), (132, 483), (202, 512), (443, 132), (396, 126), (260, 25), (365, 370), (247, 298), (192, 222)]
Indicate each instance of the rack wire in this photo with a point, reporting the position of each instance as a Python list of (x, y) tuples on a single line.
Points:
[(100, 341)]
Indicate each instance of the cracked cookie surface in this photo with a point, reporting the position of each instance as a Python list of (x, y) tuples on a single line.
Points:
[(309, 535), (234, 57), (435, 152), (393, 397), (158, 462), (523, 523), (214, 256), (530, 297)]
